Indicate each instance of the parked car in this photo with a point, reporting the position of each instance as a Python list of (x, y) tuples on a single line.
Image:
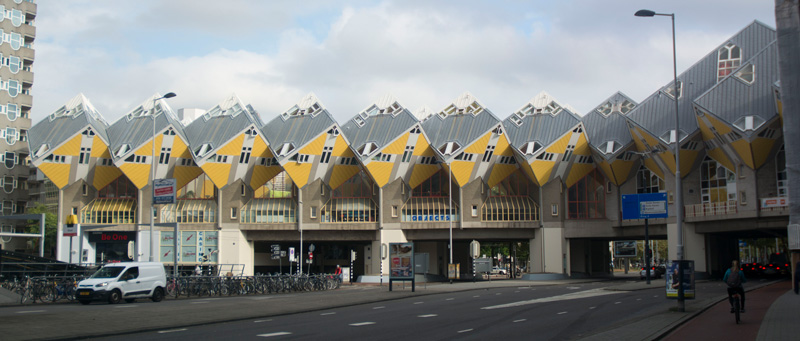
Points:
[(654, 273), (499, 271)]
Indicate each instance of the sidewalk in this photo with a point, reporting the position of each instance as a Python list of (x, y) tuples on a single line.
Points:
[(780, 322)]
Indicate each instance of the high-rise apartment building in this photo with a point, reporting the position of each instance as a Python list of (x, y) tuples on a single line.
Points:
[(17, 33)]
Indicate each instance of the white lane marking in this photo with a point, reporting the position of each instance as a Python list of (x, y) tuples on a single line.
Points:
[(573, 288), (257, 298), (523, 287), (465, 330), (274, 334), (209, 299), (428, 315), (520, 320), (380, 307), (655, 296), (518, 290), (30, 311), (450, 299), (171, 331), (359, 324), (570, 296), (200, 302), (592, 307), (477, 296), (499, 293), (419, 302), (326, 314), (259, 321), (126, 306), (638, 299), (617, 302), (562, 313)]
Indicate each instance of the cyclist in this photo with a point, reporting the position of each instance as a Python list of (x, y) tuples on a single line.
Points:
[(338, 273), (734, 277)]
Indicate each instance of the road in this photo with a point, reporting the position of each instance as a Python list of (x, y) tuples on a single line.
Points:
[(517, 309)]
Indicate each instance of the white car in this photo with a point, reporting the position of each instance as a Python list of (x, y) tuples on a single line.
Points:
[(499, 271)]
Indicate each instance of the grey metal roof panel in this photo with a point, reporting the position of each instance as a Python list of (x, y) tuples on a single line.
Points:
[(656, 113), (453, 124), (221, 123), (65, 122), (542, 128), (136, 127), (733, 98), (542, 119), (378, 128), (601, 128), (299, 125)]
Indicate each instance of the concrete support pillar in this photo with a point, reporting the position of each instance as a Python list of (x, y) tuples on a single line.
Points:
[(694, 245), (549, 250), (234, 248)]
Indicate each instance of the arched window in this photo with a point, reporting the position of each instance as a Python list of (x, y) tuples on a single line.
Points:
[(730, 57)]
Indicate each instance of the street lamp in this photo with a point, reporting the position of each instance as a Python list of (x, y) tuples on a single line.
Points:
[(678, 196), (153, 175), (449, 211)]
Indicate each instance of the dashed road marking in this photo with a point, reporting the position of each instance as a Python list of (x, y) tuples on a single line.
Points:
[(656, 296), (379, 307), (520, 320), (516, 291), (592, 307), (617, 302), (476, 296), (573, 288), (428, 315), (326, 314), (260, 321), (419, 302), (465, 330), (171, 331), (359, 324), (274, 334), (450, 299), (125, 306), (256, 298), (570, 296), (562, 313), (30, 311), (638, 299), (200, 302)]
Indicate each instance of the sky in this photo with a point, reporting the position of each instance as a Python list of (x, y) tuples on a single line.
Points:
[(351, 53)]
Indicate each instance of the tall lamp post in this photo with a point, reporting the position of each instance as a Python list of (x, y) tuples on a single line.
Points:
[(449, 212), (678, 196), (153, 176)]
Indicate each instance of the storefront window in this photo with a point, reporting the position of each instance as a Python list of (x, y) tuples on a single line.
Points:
[(430, 201), (351, 202)]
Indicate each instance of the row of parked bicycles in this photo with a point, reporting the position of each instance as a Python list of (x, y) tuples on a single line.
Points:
[(50, 289), (249, 285), (43, 288)]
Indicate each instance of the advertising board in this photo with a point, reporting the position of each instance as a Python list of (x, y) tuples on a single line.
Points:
[(401, 256), (625, 249)]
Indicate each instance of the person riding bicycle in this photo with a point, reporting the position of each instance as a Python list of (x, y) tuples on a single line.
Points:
[(734, 277), (338, 273)]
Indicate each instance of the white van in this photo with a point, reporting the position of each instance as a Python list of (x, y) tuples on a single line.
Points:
[(129, 281)]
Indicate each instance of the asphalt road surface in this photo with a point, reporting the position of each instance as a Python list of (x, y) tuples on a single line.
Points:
[(568, 311)]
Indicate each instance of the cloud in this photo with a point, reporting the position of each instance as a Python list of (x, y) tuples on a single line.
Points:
[(425, 53)]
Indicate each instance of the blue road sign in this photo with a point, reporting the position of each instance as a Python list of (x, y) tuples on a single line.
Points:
[(644, 206)]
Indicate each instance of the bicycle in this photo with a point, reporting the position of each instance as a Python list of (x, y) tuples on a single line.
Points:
[(736, 307)]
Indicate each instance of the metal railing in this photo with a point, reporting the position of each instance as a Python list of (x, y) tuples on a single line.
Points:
[(711, 209)]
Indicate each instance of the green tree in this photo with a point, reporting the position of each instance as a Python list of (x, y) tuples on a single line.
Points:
[(50, 225)]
